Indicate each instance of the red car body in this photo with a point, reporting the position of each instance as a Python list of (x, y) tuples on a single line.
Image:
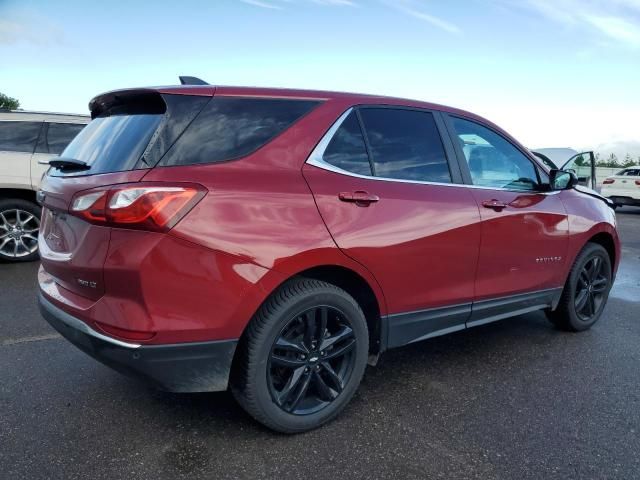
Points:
[(426, 258)]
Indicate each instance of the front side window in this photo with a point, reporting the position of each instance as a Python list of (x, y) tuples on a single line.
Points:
[(493, 161), (347, 149), (405, 144), (19, 136)]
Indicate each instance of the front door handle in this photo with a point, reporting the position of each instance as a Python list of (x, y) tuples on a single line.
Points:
[(360, 198), (494, 204)]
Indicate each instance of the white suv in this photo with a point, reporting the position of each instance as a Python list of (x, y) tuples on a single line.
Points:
[(28, 140), (623, 188)]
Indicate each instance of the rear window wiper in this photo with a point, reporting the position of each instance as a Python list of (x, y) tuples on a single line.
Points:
[(68, 164)]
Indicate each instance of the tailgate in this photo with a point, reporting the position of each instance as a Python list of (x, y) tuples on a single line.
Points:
[(130, 131), (72, 250)]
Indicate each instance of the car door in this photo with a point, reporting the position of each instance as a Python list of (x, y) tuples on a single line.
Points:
[(383, 180), (584, 166), (524, 226), (17, 142), (53, 140)]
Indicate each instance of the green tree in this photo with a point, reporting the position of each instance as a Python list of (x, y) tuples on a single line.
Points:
[(628, 161), (8, 103)]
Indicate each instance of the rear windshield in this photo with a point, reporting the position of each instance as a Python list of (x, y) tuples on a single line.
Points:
[(192, 130), (113, 143)]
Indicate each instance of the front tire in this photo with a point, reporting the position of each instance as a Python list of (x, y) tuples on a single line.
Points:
[(586, 291), (19, 227), (302, 357)]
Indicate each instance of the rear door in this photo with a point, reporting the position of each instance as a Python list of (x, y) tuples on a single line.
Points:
[(17, 143), (384, 186), (524, 227)]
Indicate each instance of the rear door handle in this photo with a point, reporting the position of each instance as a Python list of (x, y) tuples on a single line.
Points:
[(494, 204), (360, 198)]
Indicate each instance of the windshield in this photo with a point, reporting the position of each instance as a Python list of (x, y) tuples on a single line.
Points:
[(112, 143)]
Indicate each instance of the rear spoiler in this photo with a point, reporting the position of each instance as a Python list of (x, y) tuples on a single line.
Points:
[(139, 100)]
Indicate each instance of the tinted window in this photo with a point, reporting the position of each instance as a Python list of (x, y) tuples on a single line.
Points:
[(19, 136), (631, 172), (347, 149), (229, 128), (58, 136), (113, 143), (405, 144), (494, 161)]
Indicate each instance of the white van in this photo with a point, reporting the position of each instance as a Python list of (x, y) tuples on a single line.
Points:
[(28, 140)]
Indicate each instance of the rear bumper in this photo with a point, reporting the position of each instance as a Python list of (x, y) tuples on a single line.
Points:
[(182, 367)]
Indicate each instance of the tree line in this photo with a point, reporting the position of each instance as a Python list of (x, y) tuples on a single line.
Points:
[(612, 161)]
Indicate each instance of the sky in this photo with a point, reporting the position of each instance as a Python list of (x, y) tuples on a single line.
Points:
[(554, 73)]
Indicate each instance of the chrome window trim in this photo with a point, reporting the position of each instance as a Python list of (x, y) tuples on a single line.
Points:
[(315, 159)]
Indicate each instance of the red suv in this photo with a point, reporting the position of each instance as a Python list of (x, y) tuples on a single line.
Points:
[(276, 241)]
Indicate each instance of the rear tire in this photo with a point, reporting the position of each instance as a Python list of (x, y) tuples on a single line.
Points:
[(302, 357), (19, 227), (586, 291)]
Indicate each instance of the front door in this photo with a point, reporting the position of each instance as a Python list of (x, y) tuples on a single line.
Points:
[(383, 185), (524, 227), (584, 166)]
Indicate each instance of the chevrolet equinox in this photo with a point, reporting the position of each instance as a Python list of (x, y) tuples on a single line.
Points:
[(274, 242)]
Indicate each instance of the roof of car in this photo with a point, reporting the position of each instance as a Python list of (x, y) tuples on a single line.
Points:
[(30, 115), (207, 90), (351, 98)]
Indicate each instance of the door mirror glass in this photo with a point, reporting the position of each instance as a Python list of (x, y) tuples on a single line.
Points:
[(562, 179)]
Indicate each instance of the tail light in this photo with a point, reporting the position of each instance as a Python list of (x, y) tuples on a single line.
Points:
[(608, 181), (141, 206), (638, 182)]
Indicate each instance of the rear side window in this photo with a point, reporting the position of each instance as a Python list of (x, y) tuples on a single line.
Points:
[(405, 145), (57, 137), (347, 149), (19, 136), (230, 127)]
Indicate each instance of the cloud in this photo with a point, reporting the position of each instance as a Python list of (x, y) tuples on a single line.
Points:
[(261, 4), (29, 29), (410, 8), (336, 3), (618, 20), (616, 28), (279, 4)]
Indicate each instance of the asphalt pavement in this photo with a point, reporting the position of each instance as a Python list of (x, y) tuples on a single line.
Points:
[(511, 400)]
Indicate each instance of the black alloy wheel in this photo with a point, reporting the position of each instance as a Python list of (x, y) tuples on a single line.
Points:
[(591, 289), (302, 356), (311, 360), (586, 290)]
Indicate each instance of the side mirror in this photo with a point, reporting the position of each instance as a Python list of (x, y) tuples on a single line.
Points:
[(562, 179)]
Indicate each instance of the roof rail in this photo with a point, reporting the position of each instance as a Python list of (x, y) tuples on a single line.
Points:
[(186, 80)]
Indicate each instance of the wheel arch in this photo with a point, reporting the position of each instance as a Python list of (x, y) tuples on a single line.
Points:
[(605, 239), (368, 295), (22, 194)]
